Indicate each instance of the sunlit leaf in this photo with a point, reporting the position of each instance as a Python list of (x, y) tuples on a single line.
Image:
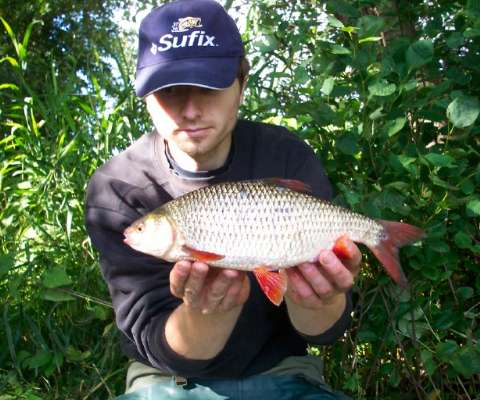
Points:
[(332, 21), (56, 277), (473, 207), (56, 295), (339, 50), (382, 88), (440, 160), (394, 126), (370, 39), (463, 111), (327, 86)]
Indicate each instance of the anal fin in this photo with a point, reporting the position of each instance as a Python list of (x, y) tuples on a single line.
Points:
[(273, 284)]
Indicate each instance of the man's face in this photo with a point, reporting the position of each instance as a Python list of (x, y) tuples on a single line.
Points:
[(195, 120)]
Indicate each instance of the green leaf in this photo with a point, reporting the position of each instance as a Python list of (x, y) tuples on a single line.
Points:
[(463, 111), (406, 161), (467, 187), (428, 362), (439, 246), (327, 86), (462, 240), (408, 86), (55, 277), (394, 126), (332, 21), (370, 25), (440, 160), (412, 328), (10, 33), (41, 358), (9, 86), (347, 144), (471, 32), (419, 53), (382, 88), (370, 39), (378, 113), (342, 7), (56, 295), (75, 355), (7, 261), (339, 50), (473, 207), (442, 183), (467, 361), (465, 292), (446, 350), (455, 40)]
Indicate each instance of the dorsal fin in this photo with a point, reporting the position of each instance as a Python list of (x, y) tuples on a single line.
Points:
[(292, 184)]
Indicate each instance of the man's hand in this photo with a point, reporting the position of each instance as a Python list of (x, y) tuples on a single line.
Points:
[(199, 328), (314, 285), (316, 291), (208, 290)]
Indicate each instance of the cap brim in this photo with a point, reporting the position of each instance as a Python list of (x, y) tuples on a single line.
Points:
[(209, 72)]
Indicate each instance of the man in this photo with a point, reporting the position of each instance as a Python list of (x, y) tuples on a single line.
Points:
[(209, 326)]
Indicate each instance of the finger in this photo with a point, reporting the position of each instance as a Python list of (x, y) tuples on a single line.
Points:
[(349, 253), (300, 290), (218, 289), (336, 272), (178, 277), (231, 298), (319, 283), (195, 284)]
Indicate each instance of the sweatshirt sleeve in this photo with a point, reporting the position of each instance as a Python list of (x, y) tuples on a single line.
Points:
[(138, 283)]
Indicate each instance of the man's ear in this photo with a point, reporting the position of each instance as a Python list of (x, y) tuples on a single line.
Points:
[(242, 89)]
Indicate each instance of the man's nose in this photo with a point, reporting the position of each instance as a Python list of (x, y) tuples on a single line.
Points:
[(191, 105)]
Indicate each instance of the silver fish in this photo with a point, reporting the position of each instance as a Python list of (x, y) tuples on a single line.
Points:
[(261, 226)]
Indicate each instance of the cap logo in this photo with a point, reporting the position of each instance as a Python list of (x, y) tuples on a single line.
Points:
[(196, 38), (184, 24)]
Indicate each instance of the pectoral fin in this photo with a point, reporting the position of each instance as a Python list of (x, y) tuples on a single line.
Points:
[(201, 255), (272, 283)]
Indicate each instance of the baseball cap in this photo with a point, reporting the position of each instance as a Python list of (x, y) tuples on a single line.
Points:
[(187, 42)]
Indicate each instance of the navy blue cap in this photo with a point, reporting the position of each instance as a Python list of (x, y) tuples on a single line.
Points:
[(187, 42)]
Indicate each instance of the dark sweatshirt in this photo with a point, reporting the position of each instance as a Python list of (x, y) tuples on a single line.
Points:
[(141, 179)]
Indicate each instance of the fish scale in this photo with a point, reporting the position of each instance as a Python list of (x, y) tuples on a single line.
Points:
[(263, 225)]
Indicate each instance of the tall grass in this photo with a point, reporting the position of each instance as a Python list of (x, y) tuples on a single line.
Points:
[(55, 313)]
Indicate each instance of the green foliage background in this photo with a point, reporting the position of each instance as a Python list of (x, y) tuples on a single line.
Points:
[(386, 92)]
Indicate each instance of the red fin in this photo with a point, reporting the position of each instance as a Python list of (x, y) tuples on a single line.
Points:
[(341, 249), (272, 283), (396, 235), (203, 256), (292, 184)]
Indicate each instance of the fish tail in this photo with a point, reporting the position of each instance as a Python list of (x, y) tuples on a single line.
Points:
[(396, 235)]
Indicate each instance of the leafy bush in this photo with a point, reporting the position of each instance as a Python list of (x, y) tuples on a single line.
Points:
[(386, 92)]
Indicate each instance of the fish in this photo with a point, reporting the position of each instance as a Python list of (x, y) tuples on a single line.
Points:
[(264, 226)]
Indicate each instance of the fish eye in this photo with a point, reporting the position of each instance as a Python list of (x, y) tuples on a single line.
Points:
[(140, 228)]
